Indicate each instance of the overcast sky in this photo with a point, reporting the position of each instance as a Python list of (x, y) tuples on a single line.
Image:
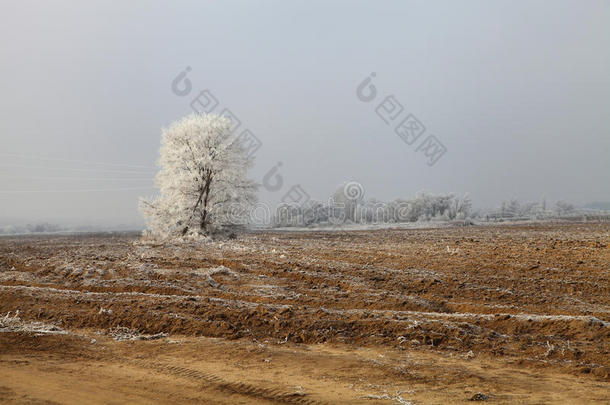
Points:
[(518, 92)]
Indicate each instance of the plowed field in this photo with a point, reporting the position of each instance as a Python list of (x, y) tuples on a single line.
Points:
[(505, 314)]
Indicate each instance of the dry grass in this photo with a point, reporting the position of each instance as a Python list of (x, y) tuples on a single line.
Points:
[(15, 324)]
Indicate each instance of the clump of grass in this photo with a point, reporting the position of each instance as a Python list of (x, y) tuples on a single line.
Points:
[(121, 333), (15, 324)]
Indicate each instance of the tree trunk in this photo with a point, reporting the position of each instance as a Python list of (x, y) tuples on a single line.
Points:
[(204, 196), (204, 214), (186, 227)]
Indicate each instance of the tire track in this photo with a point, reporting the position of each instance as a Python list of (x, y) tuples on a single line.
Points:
[(213, 381)]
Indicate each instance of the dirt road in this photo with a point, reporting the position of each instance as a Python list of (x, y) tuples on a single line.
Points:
[(510, 314)]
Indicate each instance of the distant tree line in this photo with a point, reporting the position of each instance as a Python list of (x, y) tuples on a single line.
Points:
[(29, 228), (343, 210), (512, 209)]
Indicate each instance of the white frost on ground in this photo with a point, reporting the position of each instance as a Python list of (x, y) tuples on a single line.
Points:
[(121, 333), (368, 227), (14, 323)]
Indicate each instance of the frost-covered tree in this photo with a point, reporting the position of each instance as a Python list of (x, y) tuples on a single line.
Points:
[(374, 211), (202, 181), (563, 208), (345, 200), (460, 208)]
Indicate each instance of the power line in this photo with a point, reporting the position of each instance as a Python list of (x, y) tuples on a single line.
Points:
[(75, 161), (75, 178), (77, 170), (75, 191)]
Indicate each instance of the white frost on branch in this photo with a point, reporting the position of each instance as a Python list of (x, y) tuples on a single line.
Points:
[(202, 181)]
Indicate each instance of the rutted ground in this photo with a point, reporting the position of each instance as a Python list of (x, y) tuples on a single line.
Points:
[(441, 306)]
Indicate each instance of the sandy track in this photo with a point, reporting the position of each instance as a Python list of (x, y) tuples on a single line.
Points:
[(527, 297), (74, 369)]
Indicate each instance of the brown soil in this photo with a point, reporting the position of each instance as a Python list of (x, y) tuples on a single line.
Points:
[(517, 313)]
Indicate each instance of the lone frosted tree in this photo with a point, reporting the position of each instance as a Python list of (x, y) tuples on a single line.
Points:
[(202, 181)]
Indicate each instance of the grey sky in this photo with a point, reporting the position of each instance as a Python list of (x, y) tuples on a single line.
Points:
[(518, 92)]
